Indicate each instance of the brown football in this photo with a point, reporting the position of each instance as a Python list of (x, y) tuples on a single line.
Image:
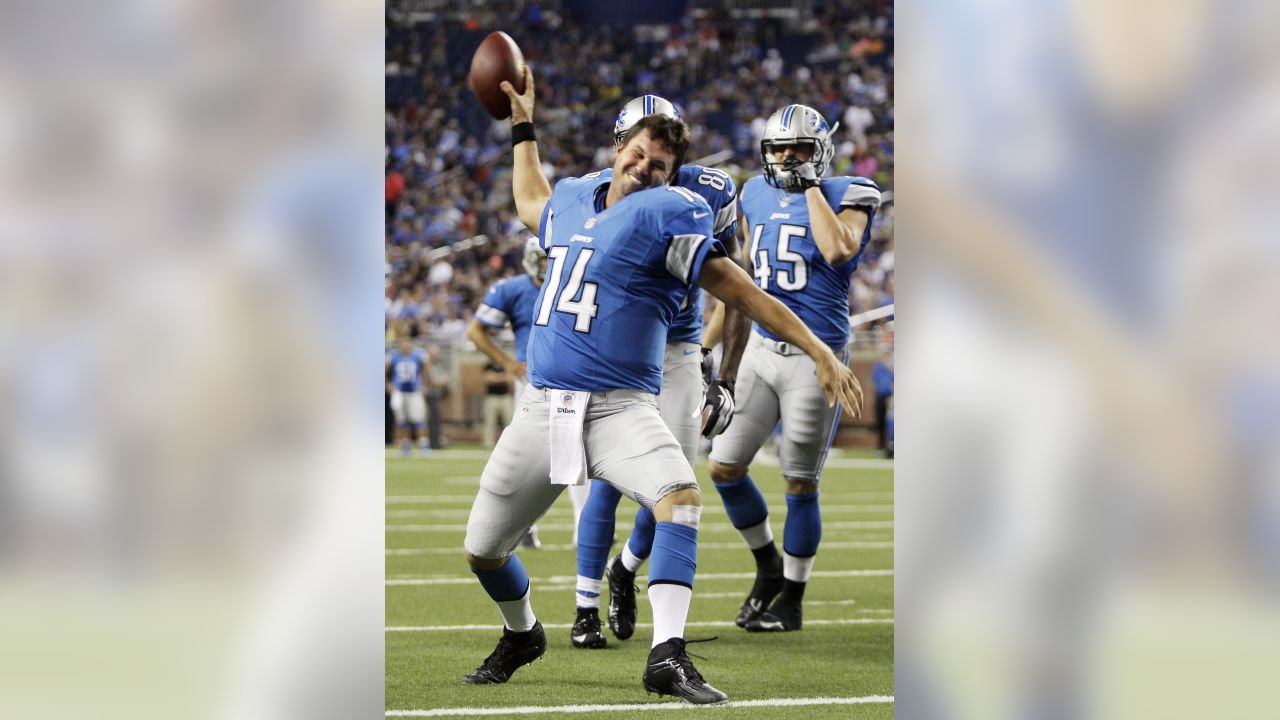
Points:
[(498, 58)]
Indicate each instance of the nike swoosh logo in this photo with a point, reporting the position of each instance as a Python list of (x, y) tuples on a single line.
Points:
[(689, 352), (697, 216)]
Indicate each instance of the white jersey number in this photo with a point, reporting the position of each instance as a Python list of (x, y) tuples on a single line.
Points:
[(584, 308), (792, 279)]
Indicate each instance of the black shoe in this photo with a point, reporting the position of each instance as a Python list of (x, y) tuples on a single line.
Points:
[(671, 672), (783, 616), (586, 630), (622, 598), (514, 650), (767, 586)]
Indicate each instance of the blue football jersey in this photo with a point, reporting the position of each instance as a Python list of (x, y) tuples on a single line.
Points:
[(718, 189), (406, 370), (788, 264), (511, 301), (616, 278)]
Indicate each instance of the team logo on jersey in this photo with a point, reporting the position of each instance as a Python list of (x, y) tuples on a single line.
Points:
[(591, 222), (524, 410)]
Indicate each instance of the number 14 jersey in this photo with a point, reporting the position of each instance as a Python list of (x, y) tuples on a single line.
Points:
[(616, 278)]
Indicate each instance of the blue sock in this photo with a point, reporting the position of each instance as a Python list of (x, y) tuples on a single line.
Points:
[(509, 582), (803, 531), (743, 502), (641, 542), (595, 529), (675, 554)]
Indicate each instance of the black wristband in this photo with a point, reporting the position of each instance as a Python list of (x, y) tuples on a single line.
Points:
[(521, 132)]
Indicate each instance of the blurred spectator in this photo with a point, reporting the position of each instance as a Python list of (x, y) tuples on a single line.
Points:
[(497, 401), (452, 227), (882, 378), (437, 386)]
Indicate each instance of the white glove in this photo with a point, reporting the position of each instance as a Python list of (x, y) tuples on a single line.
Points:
[(806, 176), (717, 409)]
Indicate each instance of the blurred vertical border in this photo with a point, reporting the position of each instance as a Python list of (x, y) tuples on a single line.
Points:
[(1088, 400), (190, 361)]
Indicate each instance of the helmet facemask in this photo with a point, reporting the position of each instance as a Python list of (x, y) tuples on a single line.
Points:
[(795, 125)]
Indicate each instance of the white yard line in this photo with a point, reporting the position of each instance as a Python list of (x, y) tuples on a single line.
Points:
[(638, 707), (839, 525), (836, 545), (566, 626), (562, 579), (564, 514)]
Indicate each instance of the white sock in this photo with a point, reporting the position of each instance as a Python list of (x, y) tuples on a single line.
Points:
[(587, 585), (670, 604), (758, 535), (629, 559), (797, 569), (517, 615)]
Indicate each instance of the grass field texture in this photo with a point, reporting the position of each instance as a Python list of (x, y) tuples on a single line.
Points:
[(441, 625)]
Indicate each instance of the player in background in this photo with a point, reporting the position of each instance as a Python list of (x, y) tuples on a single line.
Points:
[(802, 235), (511, 301), (406, 365), (624, 253), (685, 383)]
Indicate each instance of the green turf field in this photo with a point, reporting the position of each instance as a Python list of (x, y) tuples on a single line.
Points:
[(434, 605)]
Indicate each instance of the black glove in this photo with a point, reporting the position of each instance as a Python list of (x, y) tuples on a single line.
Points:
[(708, 364), (717, 408)]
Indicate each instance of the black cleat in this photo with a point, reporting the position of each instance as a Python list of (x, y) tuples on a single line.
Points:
[(586, 630), (767, 586), (783, 616), (671, 672), (513, 651), (622, 598)]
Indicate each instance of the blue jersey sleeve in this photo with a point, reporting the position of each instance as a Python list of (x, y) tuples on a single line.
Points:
[(858, 193), (851, 192), (496, 308), (685, 225)]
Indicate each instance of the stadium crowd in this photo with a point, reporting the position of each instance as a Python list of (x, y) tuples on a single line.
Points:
[(451, 227)]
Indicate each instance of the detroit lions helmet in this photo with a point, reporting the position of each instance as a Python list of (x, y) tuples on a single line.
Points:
[(638, 108), (795, 125), (535, 261)]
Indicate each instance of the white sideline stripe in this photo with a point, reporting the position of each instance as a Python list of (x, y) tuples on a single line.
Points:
[(466, 579), (827, 511), (844, 525), (763, 458), (469, 498), (432, 499), (540, 709), (566, 626), (838, 545)]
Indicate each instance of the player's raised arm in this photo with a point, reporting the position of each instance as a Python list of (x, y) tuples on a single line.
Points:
[(478, 333), (838, 237), (736, 326), (528, 185), (723, 278)]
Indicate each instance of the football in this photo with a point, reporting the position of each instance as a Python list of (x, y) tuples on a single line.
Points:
[(498, 58)]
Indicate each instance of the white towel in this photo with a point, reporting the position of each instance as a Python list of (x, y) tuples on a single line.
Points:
[(568, 457)]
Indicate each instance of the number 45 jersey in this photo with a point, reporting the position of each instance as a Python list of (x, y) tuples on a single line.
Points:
[(787, 262), (615, 280)]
